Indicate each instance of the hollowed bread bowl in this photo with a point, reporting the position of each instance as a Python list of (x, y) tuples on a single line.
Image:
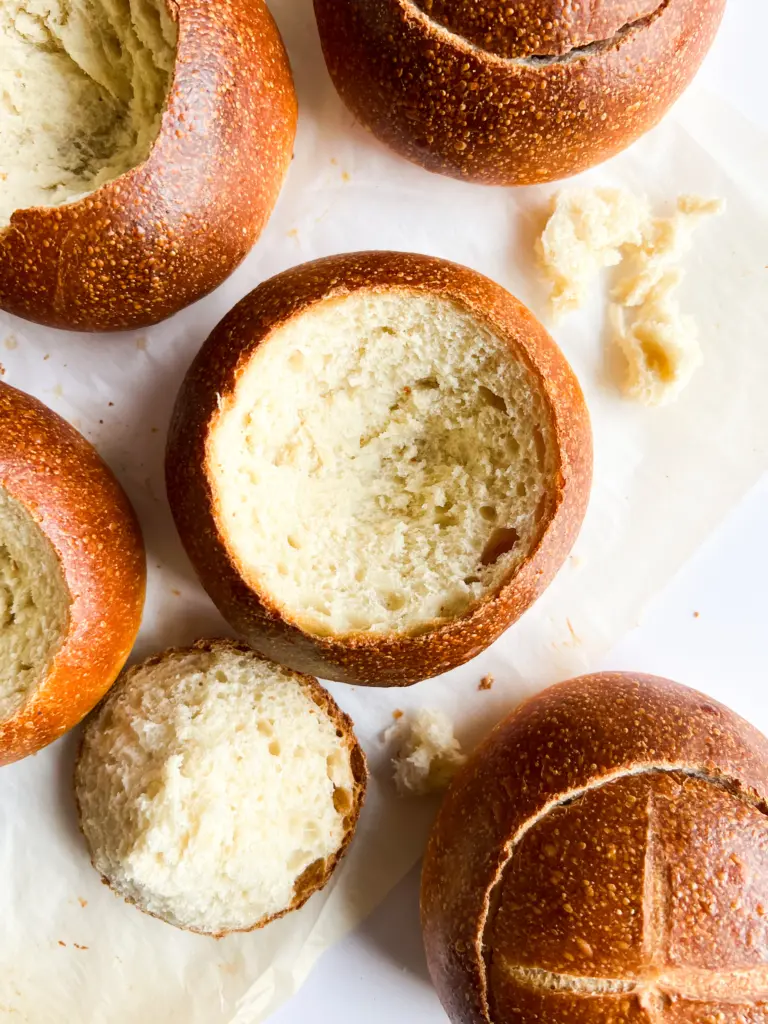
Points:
[(513, 94), (143, 144), (72, 576), (216, 790), (603, 857), (376, 463)]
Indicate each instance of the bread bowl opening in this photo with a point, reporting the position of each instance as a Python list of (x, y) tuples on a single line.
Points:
[(385, 462), (83, 84), (34, 605), (213, 790)]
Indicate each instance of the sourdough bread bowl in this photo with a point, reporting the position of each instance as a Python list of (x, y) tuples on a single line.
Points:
[(72, 576), (376, 463), (143, 144), (216, 790), (513, 94), (604, 857)]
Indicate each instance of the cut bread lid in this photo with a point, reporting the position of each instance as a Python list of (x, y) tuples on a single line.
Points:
[(85, 86), (217, 790), (384, 463)]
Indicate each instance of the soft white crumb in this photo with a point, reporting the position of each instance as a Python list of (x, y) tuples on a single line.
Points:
[(428, 754)]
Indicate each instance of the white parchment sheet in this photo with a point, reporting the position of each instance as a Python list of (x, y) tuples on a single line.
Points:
[(72, 952)]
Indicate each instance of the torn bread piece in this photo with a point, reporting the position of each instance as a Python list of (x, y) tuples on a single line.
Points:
[(428, 754), (591, 229), (666, 241), (587, 232), (660, 344)]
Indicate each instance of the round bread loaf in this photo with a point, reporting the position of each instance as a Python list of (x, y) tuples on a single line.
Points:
[(513, 94), (142, 148), (376, 463), (604, 858), (72, 576), (218, 791)]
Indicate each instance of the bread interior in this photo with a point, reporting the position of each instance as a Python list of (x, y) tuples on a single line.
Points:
[(385, 462), (208, 784), (82, 87), (34, 605)]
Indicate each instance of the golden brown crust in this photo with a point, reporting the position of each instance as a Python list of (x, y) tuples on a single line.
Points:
[(47, 466), (630, 814), (501, 96), (397, 659), (164, 234), (317, 875)]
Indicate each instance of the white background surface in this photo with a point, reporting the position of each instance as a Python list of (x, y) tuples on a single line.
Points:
[(378, 973)]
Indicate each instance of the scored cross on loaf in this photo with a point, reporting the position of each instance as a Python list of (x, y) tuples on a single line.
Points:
[(604, 860)]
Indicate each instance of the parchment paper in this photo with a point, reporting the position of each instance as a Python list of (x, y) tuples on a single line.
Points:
[(72, 952)]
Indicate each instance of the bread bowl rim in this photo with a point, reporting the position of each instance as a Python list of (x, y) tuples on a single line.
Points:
[(252, 323), (84, 200)]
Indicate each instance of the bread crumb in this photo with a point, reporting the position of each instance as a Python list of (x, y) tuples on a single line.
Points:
[(428, 754), (574, 635), (587, 232), (82, 902), (486, 683), (11, 342), (79, 947), (660, 345), (62, 943), (697, 615), (346, 176), (595, 228), (176, 593), (397, 714), (46, 356)]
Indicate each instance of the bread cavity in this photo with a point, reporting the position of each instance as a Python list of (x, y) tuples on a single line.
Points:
[(385, 462), (34, 605), (208, 783), (82, 87)]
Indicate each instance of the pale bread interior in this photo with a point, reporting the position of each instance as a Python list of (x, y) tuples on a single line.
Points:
[(208, 783), (82, 87), (34, 605), (385, 462)]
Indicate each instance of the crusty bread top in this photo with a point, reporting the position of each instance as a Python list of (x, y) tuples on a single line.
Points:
[(50, 469), (539, 28), (607, 794)]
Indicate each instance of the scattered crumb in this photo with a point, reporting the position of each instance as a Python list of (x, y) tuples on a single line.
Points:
[(293, 233), (176, 593), (486, 683), (101, 421), (11, 342), (346, 176), (2, 370), (397, 714), (110, 403), (141, 344), (428, 754), (334, 161), (591, 229), (697, 615), (82, 902), (79, 947), (62, 943), (46, 356)]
